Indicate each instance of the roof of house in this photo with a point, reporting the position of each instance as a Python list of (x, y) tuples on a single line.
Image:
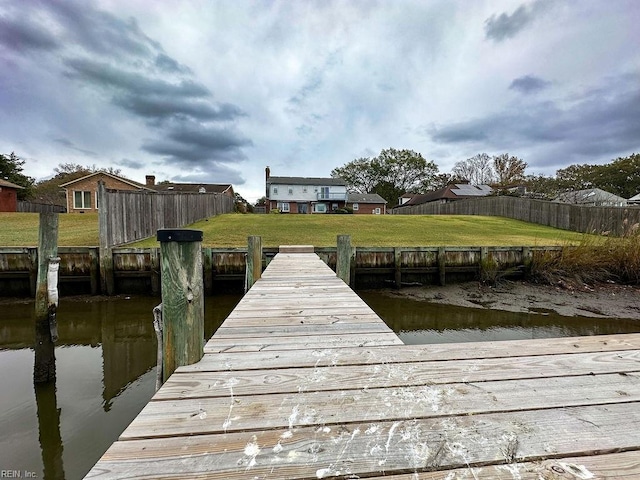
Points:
[(192, 187), (635, 199), (325, 182), (365, 198), (5, 183), (590, 195), (117, 177), (454, 191)]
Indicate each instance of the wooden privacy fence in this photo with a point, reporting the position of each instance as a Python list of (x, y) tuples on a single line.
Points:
[(34, 207), (615, 220), (127, 216)]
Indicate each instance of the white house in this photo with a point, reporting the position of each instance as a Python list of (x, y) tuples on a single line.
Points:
[(304, 195)]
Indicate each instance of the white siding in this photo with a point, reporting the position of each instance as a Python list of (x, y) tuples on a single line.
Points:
[(301, 193)]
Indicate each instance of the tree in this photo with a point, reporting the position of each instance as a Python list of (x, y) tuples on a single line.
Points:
[(49, 191), (478, 170), (390, 174), (508, 169), (11, 171), (620, 177)]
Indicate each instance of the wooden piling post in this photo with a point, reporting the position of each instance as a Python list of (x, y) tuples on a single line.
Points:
[(442, 265), (343, 260), (154, 257), (44, 368), (397, 260), (182, 298), (106, 253), (254, 260)]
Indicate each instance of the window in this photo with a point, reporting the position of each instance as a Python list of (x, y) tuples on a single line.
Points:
[(304, 189), (275, 190), (319, 208), (290, 190), (376, 211), (82, 199), (355, 207), (283, 207), (334, 206)]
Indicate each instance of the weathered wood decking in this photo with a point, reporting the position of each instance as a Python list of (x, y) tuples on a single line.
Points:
[(303, 380)]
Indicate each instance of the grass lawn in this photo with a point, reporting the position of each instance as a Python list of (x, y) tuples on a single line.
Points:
[(21, 229), (232, 230)]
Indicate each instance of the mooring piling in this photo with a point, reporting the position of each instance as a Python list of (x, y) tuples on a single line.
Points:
[(182, 298), (343, 258), (44, 368), (254, 261)]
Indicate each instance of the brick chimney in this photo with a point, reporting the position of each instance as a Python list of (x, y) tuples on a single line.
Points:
[(267, 173), (150, 180)]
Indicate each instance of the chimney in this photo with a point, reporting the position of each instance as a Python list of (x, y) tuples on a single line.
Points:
[(150, 180), (267, 173)]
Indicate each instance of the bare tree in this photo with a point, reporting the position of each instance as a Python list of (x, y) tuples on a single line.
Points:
[(508, 169), (478, 170)]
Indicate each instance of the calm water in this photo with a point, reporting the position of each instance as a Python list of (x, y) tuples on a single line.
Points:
[(106, 367)]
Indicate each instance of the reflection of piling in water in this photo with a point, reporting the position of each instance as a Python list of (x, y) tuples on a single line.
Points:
[(44, 369), (49, 430)]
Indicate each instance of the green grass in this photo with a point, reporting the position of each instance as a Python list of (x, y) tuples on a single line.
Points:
[(376, 231), (21, 229), (232, 230)]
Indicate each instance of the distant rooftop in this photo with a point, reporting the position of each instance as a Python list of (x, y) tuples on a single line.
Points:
[(329, 181)]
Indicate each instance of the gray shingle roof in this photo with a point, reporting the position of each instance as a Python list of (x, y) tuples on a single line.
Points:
[(365, 198), (306, 181)]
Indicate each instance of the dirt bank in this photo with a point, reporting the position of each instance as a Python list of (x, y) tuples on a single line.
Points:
[(603, 300)]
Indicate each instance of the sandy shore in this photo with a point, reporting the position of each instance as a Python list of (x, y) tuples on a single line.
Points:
[(603, 300)]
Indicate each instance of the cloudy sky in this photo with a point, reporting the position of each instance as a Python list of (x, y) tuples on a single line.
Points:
[(215, 90)]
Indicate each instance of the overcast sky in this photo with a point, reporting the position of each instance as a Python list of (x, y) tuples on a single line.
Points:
[(214, 91)]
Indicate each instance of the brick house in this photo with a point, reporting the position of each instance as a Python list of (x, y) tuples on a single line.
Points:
[(82, 193), (9, 196), (367, 203)]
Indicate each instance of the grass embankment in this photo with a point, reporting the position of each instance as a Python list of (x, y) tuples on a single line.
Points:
[(376, 231), (21, 229)]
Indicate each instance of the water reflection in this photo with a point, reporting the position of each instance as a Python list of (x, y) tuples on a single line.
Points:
[(106, 357), (421, 322)]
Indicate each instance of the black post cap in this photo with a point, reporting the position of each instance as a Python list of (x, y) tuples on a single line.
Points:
[(179, 235)]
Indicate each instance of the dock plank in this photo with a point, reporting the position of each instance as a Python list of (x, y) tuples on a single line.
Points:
[(303, 380)]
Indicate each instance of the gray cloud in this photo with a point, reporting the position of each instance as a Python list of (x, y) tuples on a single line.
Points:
[(99, 32), (503, 26), (600, 122), (65, 142), (157, 107), (128, 163), (104, 75), (214, 173), (22, 35), (103, 53), (529, 84)]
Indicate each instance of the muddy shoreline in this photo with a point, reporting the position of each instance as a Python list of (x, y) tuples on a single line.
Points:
[(602, 300)]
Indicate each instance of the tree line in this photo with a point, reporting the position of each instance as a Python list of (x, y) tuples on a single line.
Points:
[(395, 172)]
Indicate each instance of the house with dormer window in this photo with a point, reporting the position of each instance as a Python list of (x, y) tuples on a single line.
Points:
[(304, 194)]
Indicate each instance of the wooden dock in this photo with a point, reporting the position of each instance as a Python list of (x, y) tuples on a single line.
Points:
[(304, 381)]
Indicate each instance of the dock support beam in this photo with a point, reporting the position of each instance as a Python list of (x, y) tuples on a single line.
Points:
[(44, 368), (343, 258), (254, 260), (182, 298)]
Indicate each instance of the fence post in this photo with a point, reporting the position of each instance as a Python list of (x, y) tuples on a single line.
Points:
[(44, 369), (182, 298), (343, 259), (442, 265), (254, 260), (106, 253)]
